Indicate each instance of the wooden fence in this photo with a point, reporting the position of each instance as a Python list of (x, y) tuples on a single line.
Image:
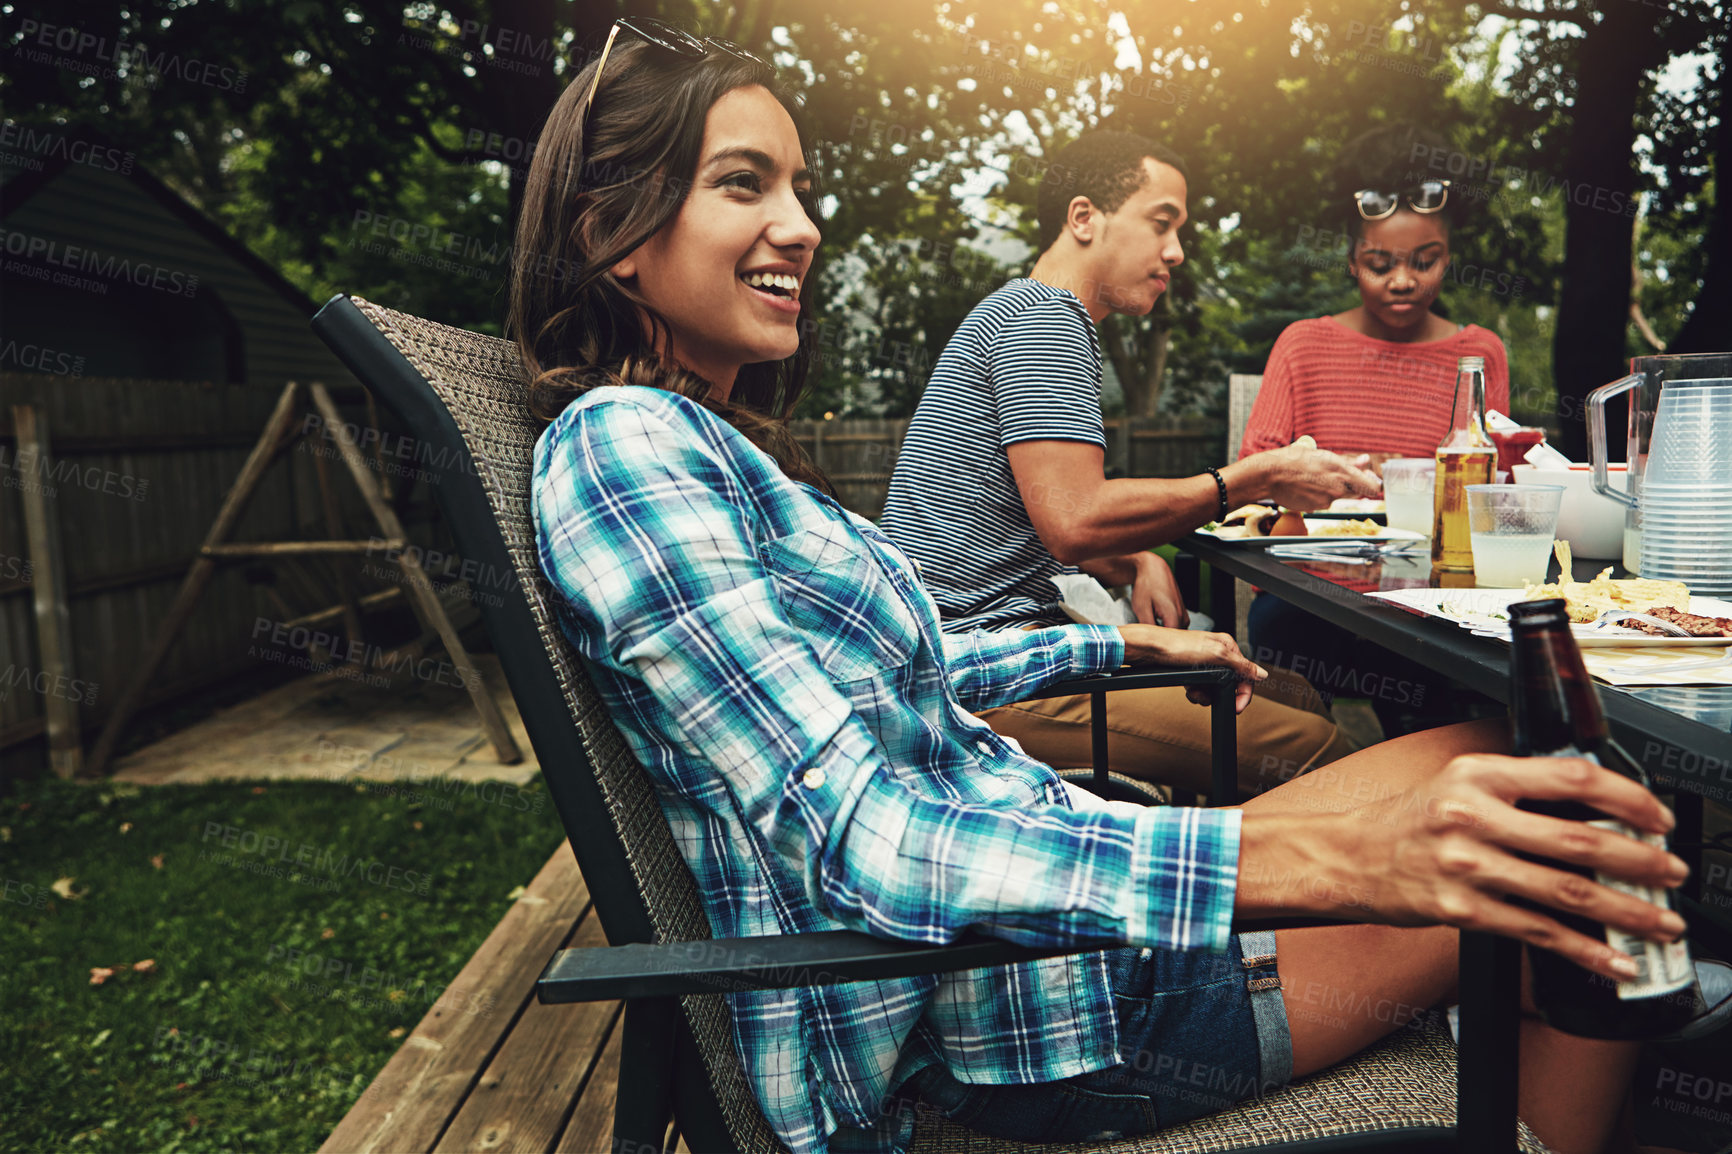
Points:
[(859, 455), (138, 468), (136, 472)]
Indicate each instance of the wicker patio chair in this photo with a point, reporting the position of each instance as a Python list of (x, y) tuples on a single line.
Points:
[(462, 396)]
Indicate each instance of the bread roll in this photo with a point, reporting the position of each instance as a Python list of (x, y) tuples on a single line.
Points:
[(1258, 520)]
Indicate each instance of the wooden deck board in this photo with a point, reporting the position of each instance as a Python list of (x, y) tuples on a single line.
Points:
[(591, 1125), (522, 1100), (424, 1087)]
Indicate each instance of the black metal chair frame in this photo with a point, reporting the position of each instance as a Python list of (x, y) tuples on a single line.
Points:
[(661, 1073)]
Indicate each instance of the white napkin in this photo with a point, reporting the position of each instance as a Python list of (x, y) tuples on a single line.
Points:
[(1087, 602), (1543, 456)]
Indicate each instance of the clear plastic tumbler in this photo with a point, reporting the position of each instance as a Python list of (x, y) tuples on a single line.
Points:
[(1407, 492), (1511, 527)]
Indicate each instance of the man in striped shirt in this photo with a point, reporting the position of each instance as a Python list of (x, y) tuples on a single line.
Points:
[(1001, 486)]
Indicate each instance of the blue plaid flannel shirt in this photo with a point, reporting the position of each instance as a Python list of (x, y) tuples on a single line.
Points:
[(776, 665)]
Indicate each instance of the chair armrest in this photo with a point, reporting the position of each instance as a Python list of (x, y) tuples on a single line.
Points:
[(726, 965), (1188, 574), (1138, 677), (1223, 741), (829, 957)]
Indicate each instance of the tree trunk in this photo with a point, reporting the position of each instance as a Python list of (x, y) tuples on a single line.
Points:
[(1138, 353), (1709, 327), (1155, 345), (1116, 342), (1599, 189), (520, 89)]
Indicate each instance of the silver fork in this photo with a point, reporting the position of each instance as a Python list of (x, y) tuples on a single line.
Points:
[(1613, 616), (1341, 550)]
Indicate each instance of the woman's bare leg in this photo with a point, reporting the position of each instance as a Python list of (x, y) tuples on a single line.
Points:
[(1347, 986), (1574, 1089)]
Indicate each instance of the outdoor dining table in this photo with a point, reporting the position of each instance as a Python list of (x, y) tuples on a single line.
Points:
[(1682, 735)]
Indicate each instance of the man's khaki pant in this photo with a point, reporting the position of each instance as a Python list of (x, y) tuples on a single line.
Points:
[(1159, 736)]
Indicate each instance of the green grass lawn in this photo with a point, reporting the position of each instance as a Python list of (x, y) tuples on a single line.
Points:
[(269, 946)]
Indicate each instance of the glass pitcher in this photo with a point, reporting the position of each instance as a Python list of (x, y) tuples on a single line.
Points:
[(1648, 377)]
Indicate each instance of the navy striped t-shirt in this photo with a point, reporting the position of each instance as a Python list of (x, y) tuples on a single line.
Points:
[(1024, 366)]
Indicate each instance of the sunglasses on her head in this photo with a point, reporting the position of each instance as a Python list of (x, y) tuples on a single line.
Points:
[(668, 38), (1425, 197)]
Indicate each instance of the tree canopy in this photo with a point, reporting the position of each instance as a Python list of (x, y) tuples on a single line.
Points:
[(378, 146)]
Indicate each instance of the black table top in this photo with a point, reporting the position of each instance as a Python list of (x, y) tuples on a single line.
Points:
[(1682, 734)]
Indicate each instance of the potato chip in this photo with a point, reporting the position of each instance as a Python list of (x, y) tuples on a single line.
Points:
[(1349, 528), (1586, 600)]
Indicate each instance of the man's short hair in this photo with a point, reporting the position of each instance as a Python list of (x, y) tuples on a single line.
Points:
[(1106, 167)]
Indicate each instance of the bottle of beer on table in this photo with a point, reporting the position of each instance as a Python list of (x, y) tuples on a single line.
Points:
[(1466, 456), (1555, 712)]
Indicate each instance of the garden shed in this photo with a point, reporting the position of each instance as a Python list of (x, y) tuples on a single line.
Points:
[(150, 348)]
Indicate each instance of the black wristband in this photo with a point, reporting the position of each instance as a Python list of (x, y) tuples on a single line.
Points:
[(1221, 487)]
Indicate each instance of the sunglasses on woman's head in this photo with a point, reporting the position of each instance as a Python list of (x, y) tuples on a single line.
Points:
[(1425, 197), (668, 38)]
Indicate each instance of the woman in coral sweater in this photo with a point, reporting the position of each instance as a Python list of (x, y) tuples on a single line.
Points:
[(1378, 379)]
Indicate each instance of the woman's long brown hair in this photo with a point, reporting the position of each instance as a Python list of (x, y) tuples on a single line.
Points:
[(588, 202)]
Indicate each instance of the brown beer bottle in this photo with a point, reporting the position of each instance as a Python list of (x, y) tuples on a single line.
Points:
[(1555, 712)]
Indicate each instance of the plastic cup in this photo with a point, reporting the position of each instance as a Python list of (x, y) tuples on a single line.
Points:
[(1407, 492), (1692, 444), (1511, 527)]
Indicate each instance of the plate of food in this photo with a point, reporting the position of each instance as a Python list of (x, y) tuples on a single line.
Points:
[(1597, 610), (1259, 525)]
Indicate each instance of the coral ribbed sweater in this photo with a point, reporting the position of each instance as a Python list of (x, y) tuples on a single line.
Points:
[(1358, 394)]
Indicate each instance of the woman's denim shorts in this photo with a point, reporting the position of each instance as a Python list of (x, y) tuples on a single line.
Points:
[(1197, 1032)]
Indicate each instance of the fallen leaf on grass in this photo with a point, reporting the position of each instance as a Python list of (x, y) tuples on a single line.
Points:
[(516, 893), (63, 887), (415, 824), (100, 974), (395, 1032), (125, 826), (156, 860), (327, 933), (100, 1038), (5, 833), (146, 966), (258, 789)]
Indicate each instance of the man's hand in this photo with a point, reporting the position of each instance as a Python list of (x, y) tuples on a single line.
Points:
[(1155, 594), (1304, 478), (1186, 648), (1446, 852)]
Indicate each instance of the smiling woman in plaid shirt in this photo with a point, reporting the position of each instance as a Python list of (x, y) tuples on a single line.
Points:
[(777, 666)]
